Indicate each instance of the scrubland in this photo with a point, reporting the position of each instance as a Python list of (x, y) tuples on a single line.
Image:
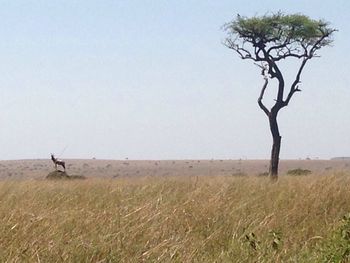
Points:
[(177, 219)]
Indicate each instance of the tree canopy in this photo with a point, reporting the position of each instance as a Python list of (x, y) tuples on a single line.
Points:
[(274, 37), (277, 36)]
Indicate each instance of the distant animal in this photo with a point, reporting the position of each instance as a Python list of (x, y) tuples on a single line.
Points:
[(58, 162)]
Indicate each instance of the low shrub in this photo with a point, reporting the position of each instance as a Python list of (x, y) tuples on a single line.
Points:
[(298, 172)]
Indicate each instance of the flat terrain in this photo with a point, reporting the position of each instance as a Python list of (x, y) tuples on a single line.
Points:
[(29, 169), (176, 219), (175, 211)]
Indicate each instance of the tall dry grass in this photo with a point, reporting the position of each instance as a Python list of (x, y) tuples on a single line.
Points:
[(182, 219)]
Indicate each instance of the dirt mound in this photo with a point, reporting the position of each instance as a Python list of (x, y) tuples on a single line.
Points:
[(58, 175)]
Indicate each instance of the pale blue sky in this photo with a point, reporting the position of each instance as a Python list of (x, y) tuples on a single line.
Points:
[(151, 80)]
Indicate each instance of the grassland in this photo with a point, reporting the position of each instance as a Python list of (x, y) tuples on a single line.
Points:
[(176, 219), (39, 168)]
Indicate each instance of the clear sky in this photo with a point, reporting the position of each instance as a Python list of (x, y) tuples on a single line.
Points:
[(151, 80)]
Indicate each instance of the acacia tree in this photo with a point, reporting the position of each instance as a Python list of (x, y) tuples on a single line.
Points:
[(267, 40)]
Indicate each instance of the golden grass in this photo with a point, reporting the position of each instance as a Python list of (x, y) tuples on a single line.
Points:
[(176, 219)]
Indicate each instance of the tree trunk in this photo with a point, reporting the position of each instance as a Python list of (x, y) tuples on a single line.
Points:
[(276, 145)]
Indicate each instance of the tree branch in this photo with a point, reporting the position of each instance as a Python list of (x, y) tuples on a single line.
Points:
[(284, 44), (307, 55), (319, 43), (275, 73), (294, 87), (243, 52), (261, 104), (288, 54)]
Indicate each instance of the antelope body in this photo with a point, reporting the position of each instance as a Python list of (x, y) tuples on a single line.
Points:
[(58, 162)]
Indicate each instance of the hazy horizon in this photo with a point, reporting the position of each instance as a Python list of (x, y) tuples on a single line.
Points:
[(151, 80), (188, 159)]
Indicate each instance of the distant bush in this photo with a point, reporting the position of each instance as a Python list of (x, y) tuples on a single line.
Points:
[(299, 171), (263, 174), (77, 177), (239, 174)]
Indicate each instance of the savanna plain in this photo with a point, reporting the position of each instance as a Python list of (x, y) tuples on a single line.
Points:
[(175, 211)]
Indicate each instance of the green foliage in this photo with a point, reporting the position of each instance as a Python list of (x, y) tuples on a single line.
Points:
[(277, 36), (276, 242), (280, 28), (299, 171), (337, 248)]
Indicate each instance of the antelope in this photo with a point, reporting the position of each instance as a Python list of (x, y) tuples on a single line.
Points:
[(58, 162)]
